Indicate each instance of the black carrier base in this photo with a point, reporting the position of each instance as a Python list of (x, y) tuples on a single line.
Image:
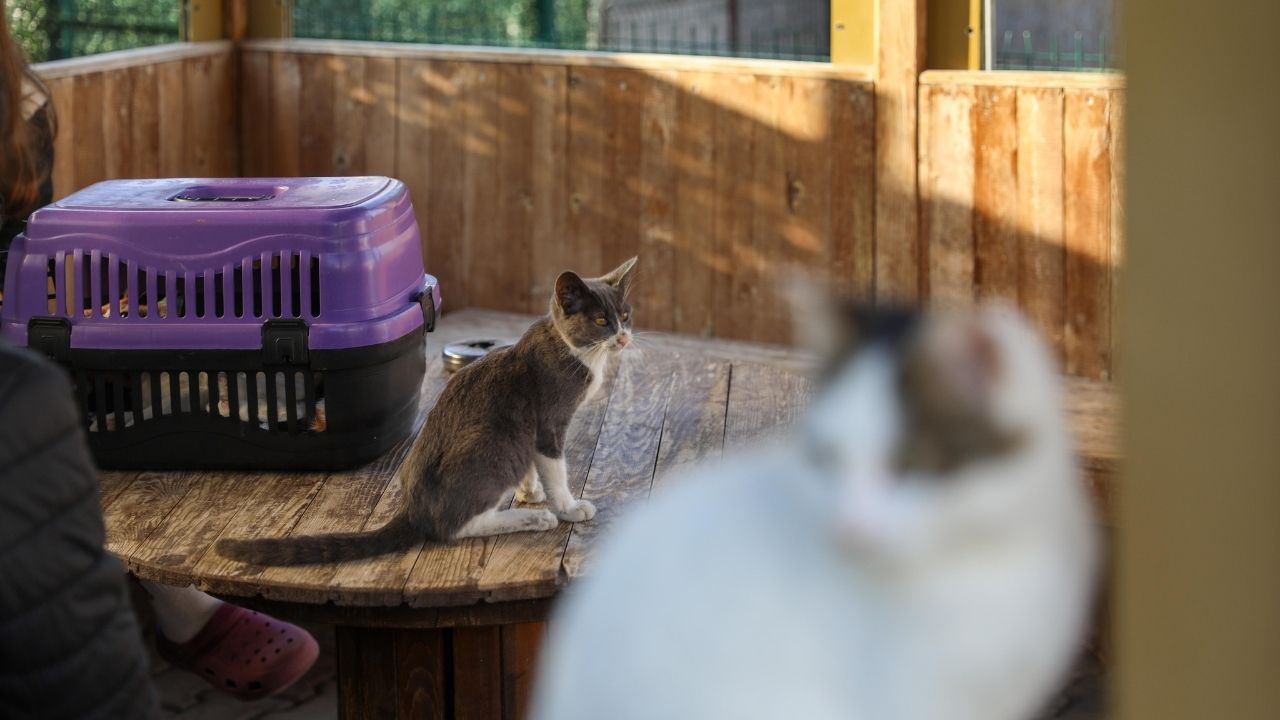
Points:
[(230, 410)]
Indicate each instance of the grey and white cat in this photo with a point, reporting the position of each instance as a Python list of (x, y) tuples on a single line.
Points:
[(499, 425), (920, 548)]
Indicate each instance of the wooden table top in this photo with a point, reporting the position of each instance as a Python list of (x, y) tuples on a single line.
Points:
[(677, 401)]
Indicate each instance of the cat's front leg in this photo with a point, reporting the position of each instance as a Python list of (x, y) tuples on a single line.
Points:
[(555, 480), (530, 489)]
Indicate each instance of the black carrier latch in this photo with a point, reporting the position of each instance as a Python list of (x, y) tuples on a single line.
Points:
[(51, 336), (427, 302), (284, 342)]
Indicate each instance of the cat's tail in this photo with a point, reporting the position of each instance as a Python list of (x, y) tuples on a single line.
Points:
[(398, 534)]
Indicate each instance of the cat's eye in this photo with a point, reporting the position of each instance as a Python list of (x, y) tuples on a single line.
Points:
[(626, 317), (601, 321)]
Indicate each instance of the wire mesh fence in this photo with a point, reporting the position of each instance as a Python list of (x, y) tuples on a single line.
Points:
[(1019, 51), (57, 29)]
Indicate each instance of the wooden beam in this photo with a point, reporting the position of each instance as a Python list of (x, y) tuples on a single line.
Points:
[(853, 32), (900, 27)]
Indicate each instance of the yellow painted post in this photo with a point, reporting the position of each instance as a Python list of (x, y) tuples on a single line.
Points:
[(201, 20), (955, 35), (853, 32), (270, 18)]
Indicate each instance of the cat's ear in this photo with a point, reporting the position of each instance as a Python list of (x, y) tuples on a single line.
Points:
[(571, 292), (621, 276), (823, 320)]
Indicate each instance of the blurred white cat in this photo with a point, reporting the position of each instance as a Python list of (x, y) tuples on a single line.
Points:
[(921, 547)]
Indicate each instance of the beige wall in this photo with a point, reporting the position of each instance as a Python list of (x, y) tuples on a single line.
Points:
[(1199, 554)]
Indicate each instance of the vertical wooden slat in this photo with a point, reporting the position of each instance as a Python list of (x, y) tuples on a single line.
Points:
[(1117, 124), (694, 259), (899, 53), (118, 150), (507, 263), (733, 204), (1041, 289), (549, 136), (352, 104), (652, 294), (413, 153), (200, 115), (224, 98), (478, 135), (588, 172), (144, 122), (432, 104), (804, 126), (477, 673), (283, 119), (171, 101), (1087, 231), (760, 317), (420, 674), (380, 143), (63, 97), (851, 143), (89, 151), (316, 115), (995, 192), (255, 112), (521, 643), (620, 208), (946, 181)]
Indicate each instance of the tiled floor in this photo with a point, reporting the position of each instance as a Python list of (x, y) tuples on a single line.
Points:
[(315, 697)]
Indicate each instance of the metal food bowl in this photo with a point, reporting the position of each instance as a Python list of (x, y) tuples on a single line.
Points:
[(464, 352)]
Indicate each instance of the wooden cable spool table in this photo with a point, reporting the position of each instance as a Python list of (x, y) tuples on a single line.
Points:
[(443, 630)]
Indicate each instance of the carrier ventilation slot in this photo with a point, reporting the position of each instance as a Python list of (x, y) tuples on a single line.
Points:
[(95, 285), (289, 402)]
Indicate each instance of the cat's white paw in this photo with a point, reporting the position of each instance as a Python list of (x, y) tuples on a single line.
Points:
[(531, 496), (578, 512), (543, 520)]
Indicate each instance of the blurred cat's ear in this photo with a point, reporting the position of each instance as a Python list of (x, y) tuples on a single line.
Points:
[(823, 320), (571, 292), (621, 276)]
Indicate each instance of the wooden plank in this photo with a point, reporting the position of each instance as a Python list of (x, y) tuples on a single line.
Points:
[(1087, 232), (851, 143), (625, 456), (90, 150), (621, 204), (421, 673), (527, 565), (804, 127), (589, 169), (171, 102), (995, 193), (369, 666), (695, 262), (224, 97), (435, 94), (315, 138), (763, 401), (899, 53), (693, 426), (476, 133), (946, 181), (502, 278), (733, 206), (111, 484), (477, 673), (140, 509), (657, 194), (200, 113), (1027, 79), (255, 112), (62, 96), (123, 59), (1041, 284), (118, 150), (381, 81), (761, 317), (1117, 217), (284, 124), (568, 58), (144, 122), (352, 104), (548, 132), (413, 145), (521, 644)]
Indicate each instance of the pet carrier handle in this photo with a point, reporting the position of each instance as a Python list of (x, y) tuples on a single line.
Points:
[(51, 336), (284, 342), (427, 301)]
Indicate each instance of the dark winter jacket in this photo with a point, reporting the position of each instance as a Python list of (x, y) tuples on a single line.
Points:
[(69, 641)]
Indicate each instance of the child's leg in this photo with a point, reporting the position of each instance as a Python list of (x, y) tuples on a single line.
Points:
[(180, 611)]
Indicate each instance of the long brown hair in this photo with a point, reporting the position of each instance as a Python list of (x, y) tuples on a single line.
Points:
[(21, 168)]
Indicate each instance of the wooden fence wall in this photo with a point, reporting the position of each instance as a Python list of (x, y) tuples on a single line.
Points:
[(1020, 178), (160, 112), (521, 164)]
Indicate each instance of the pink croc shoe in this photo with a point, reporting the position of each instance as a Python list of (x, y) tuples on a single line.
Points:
[(244, 653)]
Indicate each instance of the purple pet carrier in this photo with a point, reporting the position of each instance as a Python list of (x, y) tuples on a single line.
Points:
[(255, 323)]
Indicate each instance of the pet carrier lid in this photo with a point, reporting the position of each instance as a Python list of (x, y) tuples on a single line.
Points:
[(204, 214)]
